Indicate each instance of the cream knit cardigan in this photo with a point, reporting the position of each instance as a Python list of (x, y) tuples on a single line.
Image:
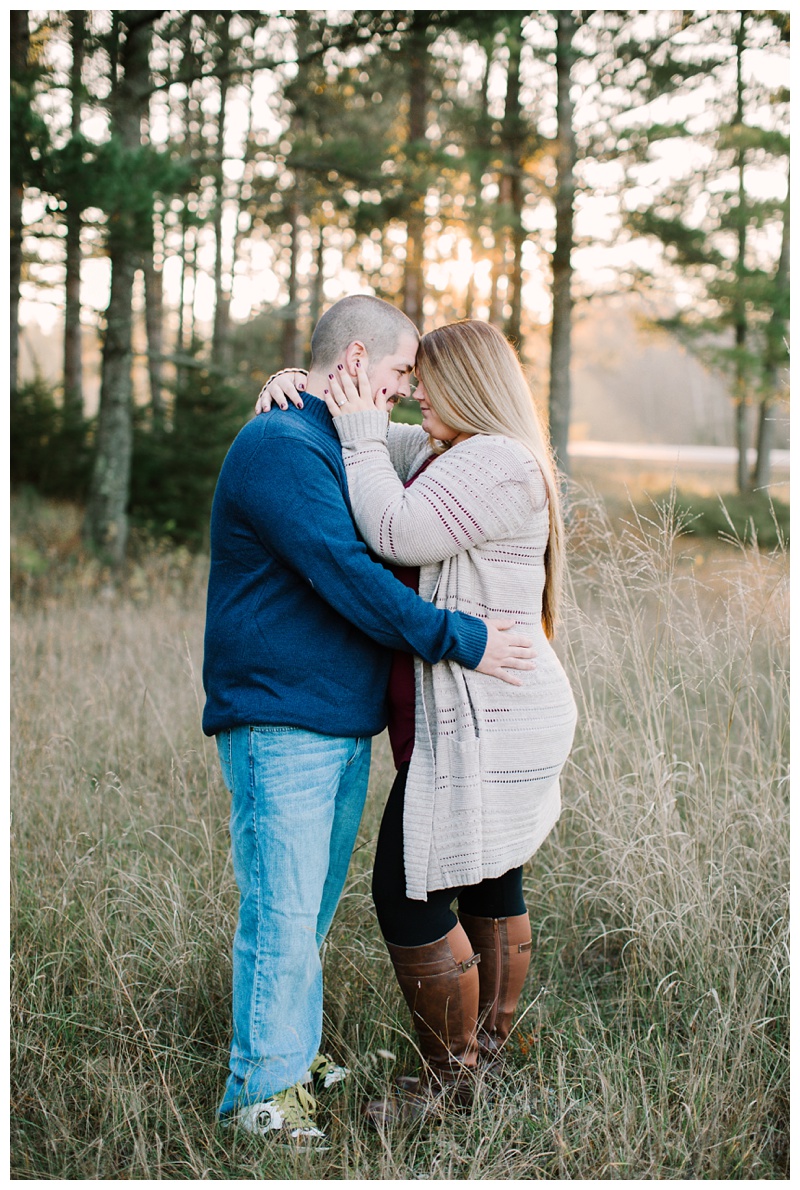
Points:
[(483, 784)]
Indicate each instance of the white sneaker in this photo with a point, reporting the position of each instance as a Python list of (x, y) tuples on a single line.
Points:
[(324, 1073), (290, 1112)]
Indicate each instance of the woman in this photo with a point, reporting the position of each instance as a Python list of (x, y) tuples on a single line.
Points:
[(466, 508)]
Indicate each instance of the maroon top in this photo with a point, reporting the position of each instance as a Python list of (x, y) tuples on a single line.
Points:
[(401, 678)]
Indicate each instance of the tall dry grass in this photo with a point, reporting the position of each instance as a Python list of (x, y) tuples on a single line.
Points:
[(654, 1037)]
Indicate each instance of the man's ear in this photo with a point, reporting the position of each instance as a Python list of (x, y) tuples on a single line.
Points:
[(356, 352)]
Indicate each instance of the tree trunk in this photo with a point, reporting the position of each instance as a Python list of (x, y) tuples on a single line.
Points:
[(469, 296), (513, 327), (297, 201), (764, 436), (513, 138), (739, 309), (413, 274), (73, 363), (73, 345), (154, 312), (180, 333), (775, 356), (498, 272), (106, 524), (106, 527), (317, 293), (154, 325), (20, 46), (15, 260), (190, 285), (219, 341), (561, 333), (189, 66), (741, 435), (290, 341), (483, 149), (225, 295)]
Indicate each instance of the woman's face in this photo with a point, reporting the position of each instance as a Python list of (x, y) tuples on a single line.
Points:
[(432, 424)]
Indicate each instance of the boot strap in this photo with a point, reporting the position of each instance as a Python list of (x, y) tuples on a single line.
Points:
[(470, 962), (523, 946)]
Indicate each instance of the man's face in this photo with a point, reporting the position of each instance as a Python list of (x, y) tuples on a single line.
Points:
[(394, 372)]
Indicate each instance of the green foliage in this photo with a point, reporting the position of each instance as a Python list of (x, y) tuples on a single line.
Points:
[(710, 221), (126, 183), (744, 137), (116, 180), (29, 135), (28, 140), (174, 470), (336, 164), (49, 445), (750, 517), (691, 245), (255, 345), (406, 411), (71, 174), (122, 183)]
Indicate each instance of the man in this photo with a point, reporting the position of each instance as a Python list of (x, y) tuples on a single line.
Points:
[(300, 624)]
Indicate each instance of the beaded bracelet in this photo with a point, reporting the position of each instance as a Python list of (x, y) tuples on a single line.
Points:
[(283, 372)]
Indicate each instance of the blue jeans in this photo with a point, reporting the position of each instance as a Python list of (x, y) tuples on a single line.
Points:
[(296, 803)]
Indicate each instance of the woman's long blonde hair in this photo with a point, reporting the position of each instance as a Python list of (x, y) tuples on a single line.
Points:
[(475, 383)]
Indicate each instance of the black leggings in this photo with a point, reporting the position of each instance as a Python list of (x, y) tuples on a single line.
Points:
[(405, 922)]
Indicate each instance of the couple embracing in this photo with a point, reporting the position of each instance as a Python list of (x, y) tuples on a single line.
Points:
[(366, 573)]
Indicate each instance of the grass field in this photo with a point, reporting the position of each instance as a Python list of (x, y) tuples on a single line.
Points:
[(654, 1034)]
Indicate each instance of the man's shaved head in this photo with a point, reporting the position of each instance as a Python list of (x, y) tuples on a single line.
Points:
[(370, 320)]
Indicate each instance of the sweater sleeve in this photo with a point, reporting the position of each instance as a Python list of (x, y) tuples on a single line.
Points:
[(312, 532), (484, 489), (404, 443)]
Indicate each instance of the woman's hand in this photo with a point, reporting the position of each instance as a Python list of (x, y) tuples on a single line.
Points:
[(343, 395), (288, 383)]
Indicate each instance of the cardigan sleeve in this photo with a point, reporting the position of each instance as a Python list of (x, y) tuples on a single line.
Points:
[(404, 443), (484, 489)]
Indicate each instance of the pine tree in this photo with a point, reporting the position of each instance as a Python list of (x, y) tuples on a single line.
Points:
[(707, 221), (776, 357), (73, 339), (30, 145), (560, 403), (129, 213)]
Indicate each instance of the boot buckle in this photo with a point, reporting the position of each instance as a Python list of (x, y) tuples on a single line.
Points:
[(465, 966)]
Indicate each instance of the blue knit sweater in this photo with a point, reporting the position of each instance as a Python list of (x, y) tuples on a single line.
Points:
[(300, 619)]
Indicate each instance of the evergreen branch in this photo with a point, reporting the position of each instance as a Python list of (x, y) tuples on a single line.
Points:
[(360, 35)]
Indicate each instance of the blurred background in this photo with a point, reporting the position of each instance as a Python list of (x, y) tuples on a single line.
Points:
[(190, 191)]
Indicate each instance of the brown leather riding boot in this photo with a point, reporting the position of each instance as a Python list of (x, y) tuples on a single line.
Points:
[(504, 944), (440, 984)]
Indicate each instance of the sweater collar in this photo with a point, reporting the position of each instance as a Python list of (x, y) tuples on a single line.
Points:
[(315, 408)]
